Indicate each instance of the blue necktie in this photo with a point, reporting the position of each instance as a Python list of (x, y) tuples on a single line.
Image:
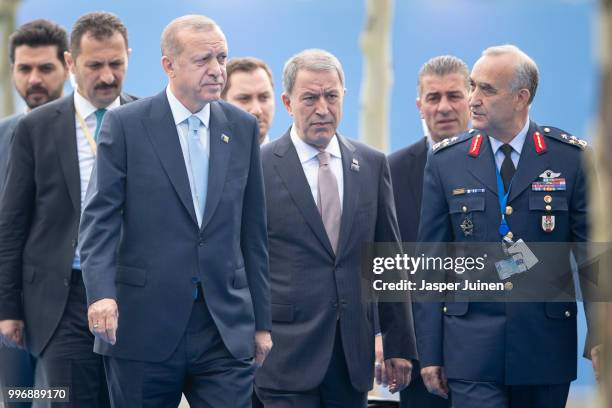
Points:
[(198, 159), (99, 115)]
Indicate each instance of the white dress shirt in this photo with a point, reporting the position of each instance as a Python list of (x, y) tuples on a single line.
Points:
[(310, 163), (180, 114), (85, 154), (517, 146)]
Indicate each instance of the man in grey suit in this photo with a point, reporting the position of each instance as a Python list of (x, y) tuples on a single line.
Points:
[(173, 237), (42, 296), (36, 53), (326, 196)]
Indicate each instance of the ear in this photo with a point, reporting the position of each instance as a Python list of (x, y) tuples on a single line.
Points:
[(287, 102), (522, 97), (419, 104), (69, 61), (168, 66)]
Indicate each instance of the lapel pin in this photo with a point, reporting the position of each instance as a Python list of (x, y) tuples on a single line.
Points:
[(355, 165), (225, 138)]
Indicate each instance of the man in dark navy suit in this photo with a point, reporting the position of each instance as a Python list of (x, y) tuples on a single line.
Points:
[(174, 239), (442, 100), (509, 179)]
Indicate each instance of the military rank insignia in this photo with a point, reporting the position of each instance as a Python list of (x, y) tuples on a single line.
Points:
[(444, 143)]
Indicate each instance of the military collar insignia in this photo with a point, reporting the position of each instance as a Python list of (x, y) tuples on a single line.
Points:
[(538, 141), (475, 145)]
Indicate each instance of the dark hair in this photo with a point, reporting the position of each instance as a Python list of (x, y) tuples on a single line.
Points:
[(245, 64), (39, 33), (100, 25)]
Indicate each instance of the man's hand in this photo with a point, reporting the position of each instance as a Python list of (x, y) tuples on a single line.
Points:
[(103, 317), (11, 333), (596, 357), (399, 372), (435, 380), (263, 345), (380, 373)]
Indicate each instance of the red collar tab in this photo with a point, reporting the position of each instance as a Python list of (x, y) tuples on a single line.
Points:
[(538, 141), (475, 145)]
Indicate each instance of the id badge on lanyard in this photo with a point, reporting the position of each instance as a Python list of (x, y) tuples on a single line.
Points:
[(520, 257)]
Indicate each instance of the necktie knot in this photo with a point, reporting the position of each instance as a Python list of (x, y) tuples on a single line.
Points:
[(506, 149), (99, 115), (194, 125), (323, 158)]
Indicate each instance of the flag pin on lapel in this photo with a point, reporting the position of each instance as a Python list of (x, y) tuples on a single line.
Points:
[(355, 165), (225, 138)]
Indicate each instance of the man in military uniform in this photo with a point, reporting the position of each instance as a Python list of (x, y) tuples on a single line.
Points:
[(503, 354), (442, 100)]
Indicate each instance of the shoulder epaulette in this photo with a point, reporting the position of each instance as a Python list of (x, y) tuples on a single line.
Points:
[(449, 142), (562, 136)]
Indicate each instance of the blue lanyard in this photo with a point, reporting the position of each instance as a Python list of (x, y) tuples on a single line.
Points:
[(503, 200)]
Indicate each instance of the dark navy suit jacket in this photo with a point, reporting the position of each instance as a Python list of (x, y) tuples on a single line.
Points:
[(513, 342), (311, 285), (141, 243)]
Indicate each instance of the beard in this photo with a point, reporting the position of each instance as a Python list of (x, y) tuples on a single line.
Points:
[(38, 95)]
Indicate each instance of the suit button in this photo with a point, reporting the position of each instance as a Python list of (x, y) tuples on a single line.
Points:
[(66, 282), (201, 242), (445, 309), (568, 313), (509, 210)]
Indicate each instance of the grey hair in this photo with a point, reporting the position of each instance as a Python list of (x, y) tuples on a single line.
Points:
[(526, 74), (313, 59), (441, 66), (170, 45)]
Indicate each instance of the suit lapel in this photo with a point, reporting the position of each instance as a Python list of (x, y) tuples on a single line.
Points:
[(351, 191), (289, 169), (66, 147), (163, 135), (218, 160), (530, 165), (417, 174), (483, 166)]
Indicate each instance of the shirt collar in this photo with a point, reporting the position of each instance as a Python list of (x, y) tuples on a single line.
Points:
[(265, 140), (307, 152), (516, 143), (180, 113), (85, 108)]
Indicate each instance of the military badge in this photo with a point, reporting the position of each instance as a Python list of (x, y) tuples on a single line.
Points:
[(467, 226), (548, 223)]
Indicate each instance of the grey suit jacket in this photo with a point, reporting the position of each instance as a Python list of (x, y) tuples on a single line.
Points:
[(39, 217), (314, 290)]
